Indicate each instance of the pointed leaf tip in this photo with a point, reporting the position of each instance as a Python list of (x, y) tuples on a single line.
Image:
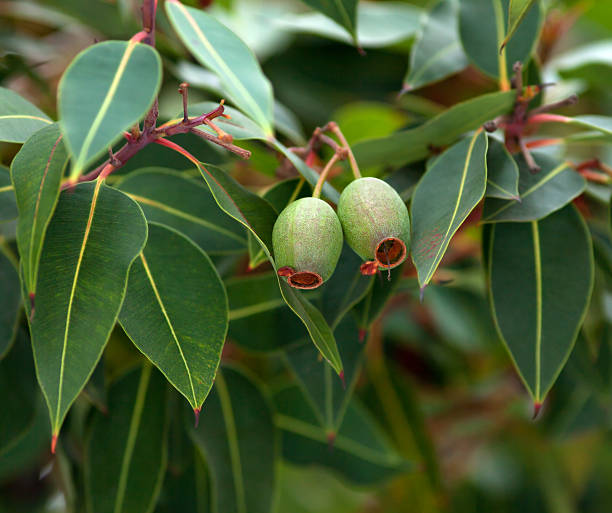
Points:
[(362, 335), (422, 293), (196, 412), (341, 376), (331, 439), (53, 443), (537, 406)]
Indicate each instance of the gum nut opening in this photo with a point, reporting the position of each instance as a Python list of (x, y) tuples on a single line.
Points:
[(390, 252), (305, 280)]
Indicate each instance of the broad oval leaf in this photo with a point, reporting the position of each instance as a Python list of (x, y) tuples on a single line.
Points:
[(218, 48), (437, 53), (175, 311), (358, 451), (517, 10), (482, 27), (106, 89), (445, 196), (19, 119), (541, 193), (173, 199), (238, 440), (540, 278), (8, 203), (343, 12), (36, 172), (502, 172), (10, 302), (126, 448), (415, 144), (94, 236)]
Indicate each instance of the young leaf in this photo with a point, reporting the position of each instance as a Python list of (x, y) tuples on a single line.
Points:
[(537, 270), (343, 12), (218, 48), (92, 239), (10, 302), (517, 10), (19, 119), (482, 28), (36, 172), (541, 193), (126, 449), (445, 196), (437, 52), (106, 89), (415, 144), (502, 172), (8, 204), (175, 311), (238, 440), (358, 451), (170, 198)]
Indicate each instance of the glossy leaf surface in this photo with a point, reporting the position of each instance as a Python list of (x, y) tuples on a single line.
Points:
[(555, 185), (517, 10), (525, 263), (8, 203), (36, 173), (19, 119), (175, 311), (218, 48), (502, 172), (456, 182), (125, 454), (92, 239), (106, 89), (238, 439), (343, 12)]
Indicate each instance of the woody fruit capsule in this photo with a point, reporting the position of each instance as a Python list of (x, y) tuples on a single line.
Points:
[(375, 222)]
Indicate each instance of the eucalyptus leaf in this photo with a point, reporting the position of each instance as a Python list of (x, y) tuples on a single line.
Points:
[(8, 203), (502, 173), (415, 144), (175, 200), (517, 10), (218, 48), (19, 119), (175, 311), (238, 439), (91, 241), (107, 88), (541, 193), (437, 52), (445, 196), (10, 302), (36, 173), (126, 449), (343, 12), (525, 264)]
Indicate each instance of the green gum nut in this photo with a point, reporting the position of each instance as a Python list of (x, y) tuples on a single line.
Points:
[(375, 222), (307, 242)]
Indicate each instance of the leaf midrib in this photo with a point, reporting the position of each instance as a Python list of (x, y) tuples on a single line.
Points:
[(24, 116), (537, 255)]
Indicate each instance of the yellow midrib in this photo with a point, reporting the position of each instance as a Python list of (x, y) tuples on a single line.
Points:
[(538, 278)]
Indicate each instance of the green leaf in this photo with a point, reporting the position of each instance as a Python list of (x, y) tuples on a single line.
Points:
[(19, 393), (343, 12), (238, 440), (541, 193), (415, 144), (593, 122), (171, 198), (8, 204), (92, 239), (36, 172), (502, 172), (107, 88), (359, 451), (482, 28), (328, 397), (126, 449), (517, 10), (260, 319), (445, 196), (379, 24), (258, 216), (218, 48), (19, 119), (10, 302), (537, 270), (437, 52), (175, 311)]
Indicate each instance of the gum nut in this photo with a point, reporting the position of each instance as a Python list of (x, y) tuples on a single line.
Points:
[(307, 242), (375, 221)]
